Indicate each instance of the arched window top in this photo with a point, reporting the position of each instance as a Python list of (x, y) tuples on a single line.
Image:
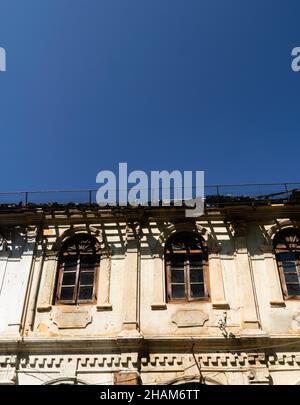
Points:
[(81, 244), (287, 240), (185, 243)]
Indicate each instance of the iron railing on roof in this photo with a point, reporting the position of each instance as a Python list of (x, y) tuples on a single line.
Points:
[(215, 195)]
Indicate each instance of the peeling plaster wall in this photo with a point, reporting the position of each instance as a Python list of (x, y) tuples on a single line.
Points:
[(15, 264)]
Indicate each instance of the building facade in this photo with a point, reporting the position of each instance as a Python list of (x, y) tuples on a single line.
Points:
[(124, 295)]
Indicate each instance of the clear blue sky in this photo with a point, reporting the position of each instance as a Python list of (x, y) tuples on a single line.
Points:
[(188, 85)]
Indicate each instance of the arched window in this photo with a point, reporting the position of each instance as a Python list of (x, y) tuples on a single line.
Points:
[(287, 251), (78, 266), (186, 267)]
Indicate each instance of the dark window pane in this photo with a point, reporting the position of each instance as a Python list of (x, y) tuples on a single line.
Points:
[(85, 293), (67, 293), (177, 262), (178, 291), (293, 289), (177, 276), (196, 275), (291, 278), (197, 290), (286, 256), (70, 263), (69, 278), (87, 278), (196, 261), (88, 262), (289, 267)]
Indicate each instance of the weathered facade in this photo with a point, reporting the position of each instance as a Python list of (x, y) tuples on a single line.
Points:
[(244, 330)]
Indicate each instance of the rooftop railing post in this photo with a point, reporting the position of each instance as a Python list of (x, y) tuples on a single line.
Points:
[(90, 196), (218, 194), (26, 197)]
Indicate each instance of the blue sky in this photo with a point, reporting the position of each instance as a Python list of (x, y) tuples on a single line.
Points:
[(188, 85)]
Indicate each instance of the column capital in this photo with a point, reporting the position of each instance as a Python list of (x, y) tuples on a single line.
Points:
[(133, 231), (239, 228)]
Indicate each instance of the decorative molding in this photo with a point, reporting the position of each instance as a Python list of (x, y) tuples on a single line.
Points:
[(8, 375), (156, 361), (31, 234), (170, 229), (42, 362), (161, 361), (71, 318), (279, 226), (259, 376), (104, 284), (88, 229), (189, 318), (51, 368), (133, 231), (107, 361), (227, 360)]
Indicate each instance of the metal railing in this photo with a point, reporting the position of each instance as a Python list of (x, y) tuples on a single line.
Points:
[(214, 195)]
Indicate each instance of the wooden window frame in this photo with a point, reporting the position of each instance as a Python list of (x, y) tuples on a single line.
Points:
[(282, 277), (186, 268), (280, 266), (61, 267)]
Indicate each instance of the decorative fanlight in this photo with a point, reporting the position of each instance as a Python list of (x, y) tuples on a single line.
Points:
[(287, 240), (292, 242), (185, 242), (81, 244)]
